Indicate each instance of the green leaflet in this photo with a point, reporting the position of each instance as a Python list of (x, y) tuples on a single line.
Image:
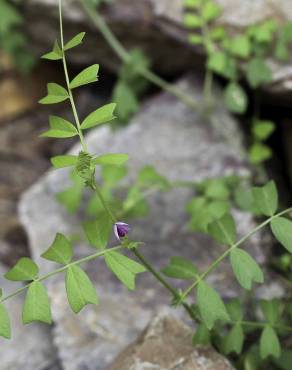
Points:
[(223, 230), (124, 268), (36, 305), (111, 159), (202, 336), (235, 98), (75, 41), (87, 76), (269, 343), (5, 328), (98, 232), (282, 230), (210, 304), (240, 46), (99, 116), (180, 268), (193, 21), (112, 175), (271, 310), (24, 270), (60, 251), (262, 130), (56, 94), (55, 54), (60, 128), (233, 342), (61, 161), (245, 268), (148, 177), (79, 288), (259, 153), (266, 198), (234, 309), (258, 73), (210, 11)]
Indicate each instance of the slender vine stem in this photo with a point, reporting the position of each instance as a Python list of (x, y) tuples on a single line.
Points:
[(71, 98), (61, 269), (125, 57), (228, 251)]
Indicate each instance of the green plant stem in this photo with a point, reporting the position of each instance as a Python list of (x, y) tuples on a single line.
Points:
[(227, 252), (71, 98), (59, 270), (263, 324), (123, 54)]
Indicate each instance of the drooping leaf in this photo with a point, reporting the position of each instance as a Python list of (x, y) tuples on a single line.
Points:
[(24, 270), (282, 230), (233, 342), (60, 251), (56, 94), (75, 41), (99, 116), (61, 161), (5, 327), (111, 159), (124, 268), (235, 98), (127, 100), (211, 306), (98, 232), (234, 309), (36, 305), (79, 288), (266, 198), (60, 128), (269, 343), (87, 76), (223, 230), (245, 268), (180, 268), (55, 54)]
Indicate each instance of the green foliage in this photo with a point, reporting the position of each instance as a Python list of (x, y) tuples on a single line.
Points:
[(111, 159), (61, 161), (211, 306), (269, 343), (12, 37), (245, 268), (55, 54), (124, 268), (60, 128), (75, 41), (223, 230), (5, 327), (60, 251), (282, 230), (99, 116), (235, 98), (56, 94), (258, 72), (202, 336), (36, 305), (79, 288), (98, 232), (240, 46), (130, 85), (233, 341), (25, 269), (87, 76), (266, 198), (180, 268)]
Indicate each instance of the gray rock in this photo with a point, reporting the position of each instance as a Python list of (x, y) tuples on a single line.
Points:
[(182, 147), (158, 30), (166, 345), (31, 347)]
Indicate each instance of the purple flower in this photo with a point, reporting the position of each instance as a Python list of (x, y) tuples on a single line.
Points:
[(121, 229)]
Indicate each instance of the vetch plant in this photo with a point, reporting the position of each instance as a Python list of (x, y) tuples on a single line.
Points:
[(218, 323)]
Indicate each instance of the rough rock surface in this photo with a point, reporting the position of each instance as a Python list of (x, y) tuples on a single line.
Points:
[(156, 23), (31, 346), (181, 146), (166, 344)]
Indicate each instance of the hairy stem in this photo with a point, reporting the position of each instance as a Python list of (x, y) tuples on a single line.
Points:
[(227, 252)]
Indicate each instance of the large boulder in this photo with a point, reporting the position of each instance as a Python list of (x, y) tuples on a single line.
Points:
[(158, 30), (182, 146), (166, 345)]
